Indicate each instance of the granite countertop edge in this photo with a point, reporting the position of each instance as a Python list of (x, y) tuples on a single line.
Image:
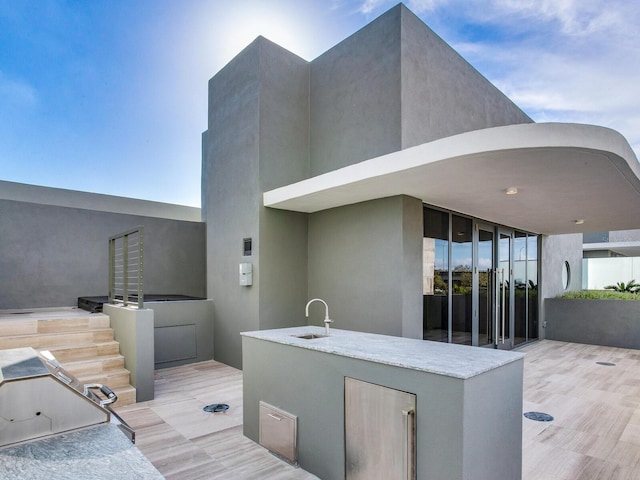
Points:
[(457, 361)]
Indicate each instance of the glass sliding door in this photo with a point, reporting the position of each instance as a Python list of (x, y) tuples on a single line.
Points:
[(520, 306), (435, 275), (480, 282), (461, 279), (485, 285), (504, 294), (532, 287)]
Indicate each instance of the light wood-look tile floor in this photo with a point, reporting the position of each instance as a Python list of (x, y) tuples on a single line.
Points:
[(595, 433), (185, 443)]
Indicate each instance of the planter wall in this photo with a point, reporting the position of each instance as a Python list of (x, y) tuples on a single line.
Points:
[(613, 323)]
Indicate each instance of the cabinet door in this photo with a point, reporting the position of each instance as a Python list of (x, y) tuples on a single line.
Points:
[(379, 432), (278, 431)]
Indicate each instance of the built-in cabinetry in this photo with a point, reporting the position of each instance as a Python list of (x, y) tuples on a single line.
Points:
[(278, 432), (379, 431), (467, 403)]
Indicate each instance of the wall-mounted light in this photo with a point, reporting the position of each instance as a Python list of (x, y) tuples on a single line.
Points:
[(511, 191), (579, 222)]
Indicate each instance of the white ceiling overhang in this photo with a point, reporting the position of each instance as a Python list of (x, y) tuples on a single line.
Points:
[(625, 249), (563, 173)]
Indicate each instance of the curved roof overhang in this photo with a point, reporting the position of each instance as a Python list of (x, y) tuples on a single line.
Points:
[(564, 173)]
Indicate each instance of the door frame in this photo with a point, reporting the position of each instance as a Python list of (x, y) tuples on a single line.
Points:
[(475, 329), (510, 314), (496, 293)]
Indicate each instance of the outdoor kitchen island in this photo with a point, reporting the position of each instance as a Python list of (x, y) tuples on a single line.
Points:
[(468, 400)]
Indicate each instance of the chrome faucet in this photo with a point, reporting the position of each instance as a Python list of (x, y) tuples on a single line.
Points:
[(327, 321)]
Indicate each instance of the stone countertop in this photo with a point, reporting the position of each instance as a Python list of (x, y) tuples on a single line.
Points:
[(458, 361), (101, 452)]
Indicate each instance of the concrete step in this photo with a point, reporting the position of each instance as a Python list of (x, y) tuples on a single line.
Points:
[(73, 353), (126, 396), (28, 322), (17, 326), (113, 378), (42, 341), (94, 366), (90, 322), (82, 342)]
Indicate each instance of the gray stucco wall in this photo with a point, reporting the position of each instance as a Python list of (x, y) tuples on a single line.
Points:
[(557, 249), (365, 261), (257, 140), (392, 85), (61, 197), (613, 323), (51, 255), (275, 119), (284, 159), (183, 332), (133, 329), (355, 97), (229, 198), (441, 93)]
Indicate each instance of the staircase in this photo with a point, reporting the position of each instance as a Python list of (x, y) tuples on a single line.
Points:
[(81, 341)]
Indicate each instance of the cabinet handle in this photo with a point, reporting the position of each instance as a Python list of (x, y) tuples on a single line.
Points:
[(275, 417), (410, 443)]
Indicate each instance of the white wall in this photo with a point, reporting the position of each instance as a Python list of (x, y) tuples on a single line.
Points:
[(597, 273)]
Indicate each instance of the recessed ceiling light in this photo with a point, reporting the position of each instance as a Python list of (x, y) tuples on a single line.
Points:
[(511, 191), (579, 222)]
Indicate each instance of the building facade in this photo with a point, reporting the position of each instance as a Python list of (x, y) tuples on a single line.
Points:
[(378, 177)]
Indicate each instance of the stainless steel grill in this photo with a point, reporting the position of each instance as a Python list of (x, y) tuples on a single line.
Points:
[(38, 398)]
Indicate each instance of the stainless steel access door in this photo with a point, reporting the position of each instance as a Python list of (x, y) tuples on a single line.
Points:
[(380, 432)]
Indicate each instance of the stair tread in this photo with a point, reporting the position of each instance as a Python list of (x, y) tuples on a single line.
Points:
[(85, 351), (49, 334), (110, 373), (97, 358), (112, 381), (82, 345), (82, 342)]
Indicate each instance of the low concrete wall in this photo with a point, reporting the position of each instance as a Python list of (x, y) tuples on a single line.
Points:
[(183, 332), (53, 253), (134, 331), (613, 323)]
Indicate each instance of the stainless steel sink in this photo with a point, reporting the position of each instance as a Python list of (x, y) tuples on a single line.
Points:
[(310, 336)]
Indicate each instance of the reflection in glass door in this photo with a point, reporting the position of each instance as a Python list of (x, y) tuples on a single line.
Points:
[(461, 279), (504, 294), (435, 275), (485, 286), (521, 288), (480, 282)]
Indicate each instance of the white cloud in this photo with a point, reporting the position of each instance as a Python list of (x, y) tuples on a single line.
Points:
[(369, 7), (15, 92), (572, 61), (577, 17)]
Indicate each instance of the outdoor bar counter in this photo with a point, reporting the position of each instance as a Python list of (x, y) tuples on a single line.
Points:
[(468, 400)]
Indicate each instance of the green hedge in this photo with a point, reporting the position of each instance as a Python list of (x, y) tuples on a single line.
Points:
[(600, 295)]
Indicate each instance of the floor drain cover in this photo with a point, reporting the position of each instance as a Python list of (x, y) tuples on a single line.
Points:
[(216, 408), (539, 416), (606, 364)]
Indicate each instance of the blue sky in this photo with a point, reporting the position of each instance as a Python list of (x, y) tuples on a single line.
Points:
[(110, 96)]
